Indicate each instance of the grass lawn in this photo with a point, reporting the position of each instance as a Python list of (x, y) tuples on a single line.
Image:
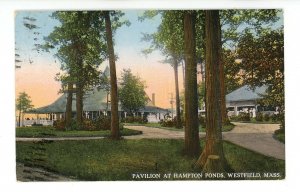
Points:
[(158, 125), (49, 131), (280, 135), (117, 160)]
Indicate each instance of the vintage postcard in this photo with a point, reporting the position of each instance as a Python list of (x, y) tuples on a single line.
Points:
[(150, 95)]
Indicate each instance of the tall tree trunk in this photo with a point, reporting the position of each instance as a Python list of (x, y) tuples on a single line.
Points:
[(183, 75), (115, 131), (213, 145), (223, 100), (192, 145), (20, 113), (69, 105), (178, 114), (79, 104)]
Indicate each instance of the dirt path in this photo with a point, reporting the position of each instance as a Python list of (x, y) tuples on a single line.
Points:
[(155, 133), (256, 137)]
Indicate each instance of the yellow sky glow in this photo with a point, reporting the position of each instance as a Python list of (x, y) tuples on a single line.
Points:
[(37, 80)]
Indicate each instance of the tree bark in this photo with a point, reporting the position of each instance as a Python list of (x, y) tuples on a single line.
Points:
[(115, 131), (192, 145), (79, 104), (69, 105), (20, 113), (183, 75), (178, 113), (213, 145), (223, 90)]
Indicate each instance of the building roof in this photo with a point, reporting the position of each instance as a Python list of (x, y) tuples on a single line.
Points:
[(245, 93), (94, 100)]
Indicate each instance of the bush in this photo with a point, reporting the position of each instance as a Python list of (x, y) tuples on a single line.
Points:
[(128, 119), (244, 117), (88, 125), (267, 117), (234, 118), (59, 124), (102, 123), (36, 124), (282, 121), (167, 123), (241, 117), (73, 126), (275, 117), (259, 117), (175, 122), (141, 120)]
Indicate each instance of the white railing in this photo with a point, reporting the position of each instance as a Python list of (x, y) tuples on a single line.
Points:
[(27, 123)]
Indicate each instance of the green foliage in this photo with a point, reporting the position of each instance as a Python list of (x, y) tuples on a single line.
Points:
[(80, 46), (282, 121), (259, 116), (266, 117), (23, 102), (132, 92), (232, 68), (235, 23), (263, 64), (167, 123), (61, 125), (169, 36), (201, 95), (227, 127), (244, 116), (241, 55), (275, 117), (241, 117), (101, 123), (280, 134)]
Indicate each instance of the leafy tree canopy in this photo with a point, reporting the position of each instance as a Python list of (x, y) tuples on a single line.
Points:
[(132, 92), (262, 63), (23, 102)]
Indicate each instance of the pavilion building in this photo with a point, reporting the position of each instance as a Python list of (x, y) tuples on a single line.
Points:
[(246, 99), (95, 103)]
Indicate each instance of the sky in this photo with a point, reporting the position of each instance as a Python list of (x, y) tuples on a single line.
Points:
[(37, 72)]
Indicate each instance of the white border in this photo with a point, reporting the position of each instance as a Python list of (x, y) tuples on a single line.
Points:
[(7, 142)]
